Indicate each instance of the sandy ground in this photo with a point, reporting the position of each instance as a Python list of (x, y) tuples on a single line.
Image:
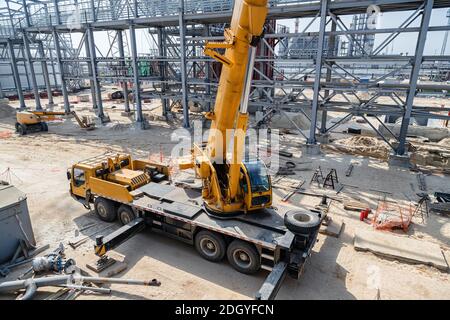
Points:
[(335, 270)]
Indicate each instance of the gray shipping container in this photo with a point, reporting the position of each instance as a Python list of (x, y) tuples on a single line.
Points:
[(13, 203)]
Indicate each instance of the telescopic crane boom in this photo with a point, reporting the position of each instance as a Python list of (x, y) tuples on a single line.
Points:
[(231, 185)]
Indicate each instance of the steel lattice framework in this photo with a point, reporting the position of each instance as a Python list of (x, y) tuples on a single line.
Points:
[(35, 40)]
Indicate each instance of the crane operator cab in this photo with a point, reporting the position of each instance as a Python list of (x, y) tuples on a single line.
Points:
[(256, 185)]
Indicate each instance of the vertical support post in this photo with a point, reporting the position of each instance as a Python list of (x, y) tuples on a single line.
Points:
[(136, 8), (22, 50), (98, 92), (45, 74), (91, 81), (316, 87), (61, 71), (184, 89), (29, 58), (15, 71), (122, 65), (57, 14), (330, 52), (426, 14), (162, 68), (137, 85), (27, 14), (94, 14)]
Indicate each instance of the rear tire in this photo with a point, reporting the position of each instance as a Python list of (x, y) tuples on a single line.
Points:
[(243, 257), (105, 209), (44, 126), (125, 214), (211, 246)]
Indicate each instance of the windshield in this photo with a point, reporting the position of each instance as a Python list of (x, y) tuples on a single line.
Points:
[(259, 180)]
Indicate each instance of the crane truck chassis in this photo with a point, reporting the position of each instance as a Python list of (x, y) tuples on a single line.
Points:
[(139, 194)]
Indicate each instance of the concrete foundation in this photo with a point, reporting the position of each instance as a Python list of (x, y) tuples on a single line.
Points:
[(311, 149), (323, 138), (396, 160)]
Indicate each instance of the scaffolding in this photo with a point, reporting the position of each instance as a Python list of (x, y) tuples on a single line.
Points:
[(37, 48)]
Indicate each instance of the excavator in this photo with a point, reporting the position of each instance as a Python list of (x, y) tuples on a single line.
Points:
[(232, 215), (36, 121)]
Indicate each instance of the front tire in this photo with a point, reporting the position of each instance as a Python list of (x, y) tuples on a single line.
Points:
[(211, 246), (243, 257), (105, 209), (125, 214)]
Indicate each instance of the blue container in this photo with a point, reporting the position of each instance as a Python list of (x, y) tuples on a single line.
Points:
[(13, 208)]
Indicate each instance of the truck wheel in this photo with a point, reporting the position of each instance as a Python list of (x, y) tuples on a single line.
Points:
[(44, 126), (210, 246), (125, 214), (243, 257), (301, 221), (105, 209)]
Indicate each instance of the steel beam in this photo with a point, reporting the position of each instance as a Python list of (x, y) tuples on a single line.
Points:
[(45, 74), (29, 58), (411, 93), (184, 87), (318, 72), (163, 68), (91, 77), (61, 71), (15, 70), (137, 85), (98, 92), (122, 65)]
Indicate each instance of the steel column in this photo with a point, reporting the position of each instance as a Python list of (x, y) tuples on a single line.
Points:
[(318, 70), (91, 81), (45, 74), (411, 93), (61, 71), (162, 68), (58, 16), (331, 44), (29, 58), (184, 88), (137, 85), (16, 75), (122, 65), (98, 92)]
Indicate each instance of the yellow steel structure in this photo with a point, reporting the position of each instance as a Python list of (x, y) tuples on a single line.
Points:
[(229, 185)]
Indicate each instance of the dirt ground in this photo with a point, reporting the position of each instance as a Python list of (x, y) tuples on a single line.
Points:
[(335, 270)]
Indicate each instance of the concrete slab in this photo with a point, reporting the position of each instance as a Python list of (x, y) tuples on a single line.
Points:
[(332, 228), (401, 248)]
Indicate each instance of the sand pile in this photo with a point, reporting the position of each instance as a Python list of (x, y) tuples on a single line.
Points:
[(444, 142), (6, 111), (361, 145)]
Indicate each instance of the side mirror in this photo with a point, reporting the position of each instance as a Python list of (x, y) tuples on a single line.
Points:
[(69, 175)]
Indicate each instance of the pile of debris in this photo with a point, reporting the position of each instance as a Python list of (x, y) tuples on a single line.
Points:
[(361, 145)]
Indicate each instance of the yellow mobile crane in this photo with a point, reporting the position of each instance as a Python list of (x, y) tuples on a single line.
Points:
[(230, 185), (141, 195)]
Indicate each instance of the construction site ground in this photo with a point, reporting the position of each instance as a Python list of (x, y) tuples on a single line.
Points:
[(38, 164)]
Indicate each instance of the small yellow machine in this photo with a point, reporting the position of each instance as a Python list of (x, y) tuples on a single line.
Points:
[(36, 121)]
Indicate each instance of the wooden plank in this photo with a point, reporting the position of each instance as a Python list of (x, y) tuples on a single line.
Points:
[(401, 248)]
